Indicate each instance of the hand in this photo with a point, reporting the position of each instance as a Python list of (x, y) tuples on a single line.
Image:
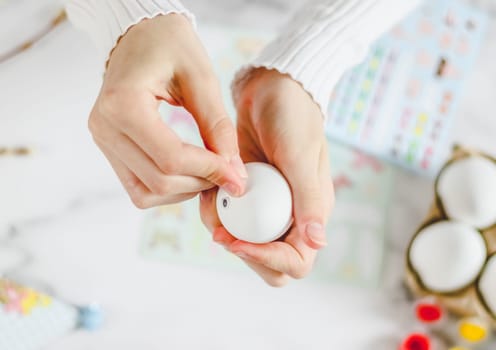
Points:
[(280, 124), (162, 59)]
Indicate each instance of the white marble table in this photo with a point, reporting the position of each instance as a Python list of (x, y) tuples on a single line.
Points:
[(64, 209)]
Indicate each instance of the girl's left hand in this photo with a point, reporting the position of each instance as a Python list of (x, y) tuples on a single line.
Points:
[(279, 123)]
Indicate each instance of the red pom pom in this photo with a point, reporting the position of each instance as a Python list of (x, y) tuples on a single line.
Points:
[(428, 313), (416, 341)]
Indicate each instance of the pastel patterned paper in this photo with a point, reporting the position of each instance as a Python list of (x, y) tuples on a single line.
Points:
[(400, 103)]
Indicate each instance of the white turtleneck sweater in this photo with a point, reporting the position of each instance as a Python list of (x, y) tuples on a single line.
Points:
[(325, 38)]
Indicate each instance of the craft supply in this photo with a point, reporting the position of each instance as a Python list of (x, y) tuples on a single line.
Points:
[(447, 256), (399, 104), (90, 317), (264, 212), (467, 191), (29, 320), (416, 341), (472, 330), (429, 311)]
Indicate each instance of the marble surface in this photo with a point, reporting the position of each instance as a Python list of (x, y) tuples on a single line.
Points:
[(67, 226)]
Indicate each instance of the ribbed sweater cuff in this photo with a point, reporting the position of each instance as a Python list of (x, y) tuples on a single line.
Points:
[(107, 20)]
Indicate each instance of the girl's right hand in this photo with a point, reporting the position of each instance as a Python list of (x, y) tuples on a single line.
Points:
[(162, 59)]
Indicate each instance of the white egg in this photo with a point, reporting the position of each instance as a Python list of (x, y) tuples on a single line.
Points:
[(487, 284), (467, 189), (447, 255), (264, 212)]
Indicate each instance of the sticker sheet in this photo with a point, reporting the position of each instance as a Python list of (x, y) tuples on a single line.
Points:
[(399, 104)]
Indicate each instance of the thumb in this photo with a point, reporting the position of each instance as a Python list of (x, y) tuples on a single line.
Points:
[(311, 186), (203, 99)]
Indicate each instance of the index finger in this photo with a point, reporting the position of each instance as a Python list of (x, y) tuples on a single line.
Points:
[(174, 157)]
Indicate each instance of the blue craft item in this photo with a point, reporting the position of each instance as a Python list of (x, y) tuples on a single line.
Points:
[(91, 317)]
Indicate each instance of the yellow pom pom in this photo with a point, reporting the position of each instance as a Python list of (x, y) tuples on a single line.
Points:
[(472, 330)]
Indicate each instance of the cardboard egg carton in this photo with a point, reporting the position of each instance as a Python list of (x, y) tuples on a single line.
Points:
[(466, 301)]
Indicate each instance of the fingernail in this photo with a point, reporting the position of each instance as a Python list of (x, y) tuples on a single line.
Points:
[(232, 189), (316, 233), (206, 196), (238, 164)]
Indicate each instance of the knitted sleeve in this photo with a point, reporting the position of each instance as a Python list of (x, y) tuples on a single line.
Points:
[(324, 39), (107, 20)]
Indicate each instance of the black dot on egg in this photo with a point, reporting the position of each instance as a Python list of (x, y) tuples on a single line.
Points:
[(225, 202)]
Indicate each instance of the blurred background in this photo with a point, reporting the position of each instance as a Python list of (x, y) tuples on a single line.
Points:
[(68, 229)]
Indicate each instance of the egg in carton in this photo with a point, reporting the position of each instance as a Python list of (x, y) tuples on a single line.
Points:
[(452, 256)]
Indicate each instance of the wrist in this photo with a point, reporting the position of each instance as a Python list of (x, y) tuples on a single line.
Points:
[(262, 87), (263, 84), (162, 23)]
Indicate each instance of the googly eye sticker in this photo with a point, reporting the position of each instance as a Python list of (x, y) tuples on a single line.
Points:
[(225, 202)]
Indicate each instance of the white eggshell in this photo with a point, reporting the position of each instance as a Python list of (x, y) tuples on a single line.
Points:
[(467, 189), (487, 284), (447, 255), (264, 212)]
